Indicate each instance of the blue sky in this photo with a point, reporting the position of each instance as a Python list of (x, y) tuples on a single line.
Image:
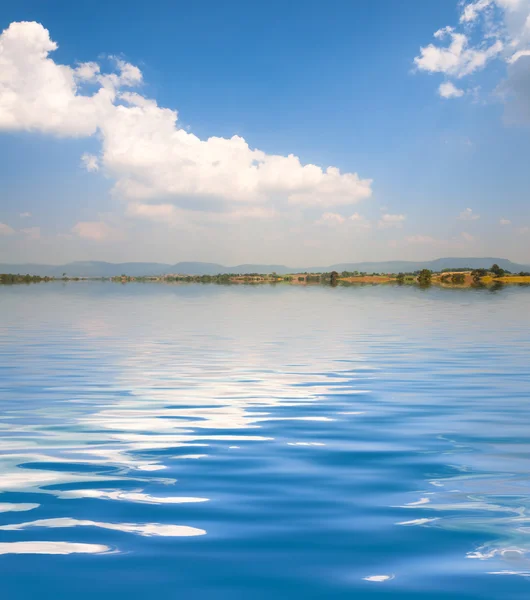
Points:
[(425, 171)]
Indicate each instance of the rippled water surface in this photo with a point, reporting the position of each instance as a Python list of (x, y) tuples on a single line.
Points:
[(199, 441)]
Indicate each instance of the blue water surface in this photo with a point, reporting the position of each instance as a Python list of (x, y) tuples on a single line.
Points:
[(203, 441)]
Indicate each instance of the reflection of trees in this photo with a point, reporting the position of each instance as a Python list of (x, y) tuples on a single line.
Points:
[(497, 286)]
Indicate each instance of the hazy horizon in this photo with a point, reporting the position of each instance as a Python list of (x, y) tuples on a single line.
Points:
[(271, 263)]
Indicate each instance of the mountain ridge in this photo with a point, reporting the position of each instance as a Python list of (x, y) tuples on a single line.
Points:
[(139, 269)]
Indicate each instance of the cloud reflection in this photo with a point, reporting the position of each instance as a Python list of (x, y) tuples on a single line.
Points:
[(129, 496), (21, 507), (146, 529), (51, 548)]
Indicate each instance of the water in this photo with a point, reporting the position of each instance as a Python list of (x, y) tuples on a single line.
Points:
[(199, 441)]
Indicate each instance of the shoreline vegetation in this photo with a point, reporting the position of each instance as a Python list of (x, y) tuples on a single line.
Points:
[(449, 278)]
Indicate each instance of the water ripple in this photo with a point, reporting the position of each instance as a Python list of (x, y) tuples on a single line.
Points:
[(258, 441)]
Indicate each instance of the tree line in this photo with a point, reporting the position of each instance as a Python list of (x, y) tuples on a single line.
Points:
[(11, 278)]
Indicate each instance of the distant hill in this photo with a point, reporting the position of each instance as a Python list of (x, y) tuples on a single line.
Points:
[(434, 265), (138, 269)]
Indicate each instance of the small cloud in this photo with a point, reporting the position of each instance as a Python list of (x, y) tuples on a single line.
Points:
[(523, 230), (94, 230), (90, 162), (25, 215), (32, 232), (449, 90), (520, 54), (505, 222), (6, 230), (359, 221), (331, 219), (387, 221), (471, 11), (467, 236), (87, 71), (468, 215)]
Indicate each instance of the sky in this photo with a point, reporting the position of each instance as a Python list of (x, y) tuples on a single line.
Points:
[(300, 133)]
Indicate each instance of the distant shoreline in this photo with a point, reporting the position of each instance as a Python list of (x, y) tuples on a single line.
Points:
[(478, 278)]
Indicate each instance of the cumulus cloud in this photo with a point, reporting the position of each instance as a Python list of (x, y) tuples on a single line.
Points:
[(499, 29), (449, 90), (505, 222), (94, 230), (387, 221), (467, 237), (468, 215), (24, 215), (144, 149), (458, 58)]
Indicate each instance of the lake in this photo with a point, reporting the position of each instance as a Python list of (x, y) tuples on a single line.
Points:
[(202, 441)]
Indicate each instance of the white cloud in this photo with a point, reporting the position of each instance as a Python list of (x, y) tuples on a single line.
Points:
[(468, 215), (473, 10), (90, 162), (502, 30), (32, 232), (387, 221), (143, 148), (331, 219), (457, 59), (505, 222), (467, 236), (355, 221), (519, 54), (6, 230), (360, 222), (36, 93), (94, 230), (24, 215), (449, 90)]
